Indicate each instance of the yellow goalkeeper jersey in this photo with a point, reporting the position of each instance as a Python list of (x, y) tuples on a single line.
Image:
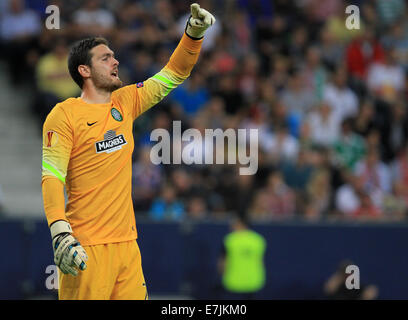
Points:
[(88, 147)]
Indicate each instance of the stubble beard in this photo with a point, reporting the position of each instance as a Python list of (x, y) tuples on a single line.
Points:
[(104, 83)]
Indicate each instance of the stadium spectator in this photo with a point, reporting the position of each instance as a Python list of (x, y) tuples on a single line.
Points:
[(183, 183), (365, 121), (239, 193), (367, 210), (373, 142), (396, 38), (297, 97), (91, 19), (279, 72), (320, 11), (229, 92), (240, 30), (166, 206), (248, 76), (395, 204), (280, 200), (213, 114), (362, 52), (166, 22), (140, 66), (394, 129), (373, 172), (197, 209), (259, 208), (280, 146), (369, 13), (350, 147), (223, 61), (192, 95), (386, 79), (280, 118), (339, 96), (146, 179), (324, 125), (399, 167), (54, 83), (332, 50), (313, 72), (337, 28), (347, 198), (20, 29), (318, 195), (298, 43), (389, 11), (297, 174)]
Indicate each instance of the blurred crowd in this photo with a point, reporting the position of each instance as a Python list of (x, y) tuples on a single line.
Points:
[(329, 103)]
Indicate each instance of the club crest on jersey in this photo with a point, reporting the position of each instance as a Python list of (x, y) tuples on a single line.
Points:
[(116, 114), (111, 142)]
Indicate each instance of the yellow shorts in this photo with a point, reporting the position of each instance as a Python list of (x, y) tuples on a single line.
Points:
[(114, 271)]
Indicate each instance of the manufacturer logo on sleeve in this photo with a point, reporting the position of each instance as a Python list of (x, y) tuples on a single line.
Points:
[(116, 114), (111, 142)]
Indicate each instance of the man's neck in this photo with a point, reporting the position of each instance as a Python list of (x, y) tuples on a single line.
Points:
[(95, 96)]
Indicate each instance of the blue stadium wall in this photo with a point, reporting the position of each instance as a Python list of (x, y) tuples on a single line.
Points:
[(181, 259)]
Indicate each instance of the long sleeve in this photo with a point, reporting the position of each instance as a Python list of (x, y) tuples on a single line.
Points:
[(57, 146), (177, 70), (53, 198)]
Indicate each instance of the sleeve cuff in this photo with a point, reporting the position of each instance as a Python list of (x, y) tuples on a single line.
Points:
[(60, 226), (191, 44)]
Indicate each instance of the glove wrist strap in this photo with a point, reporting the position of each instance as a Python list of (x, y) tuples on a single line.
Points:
[(59, 227), (190, 33)]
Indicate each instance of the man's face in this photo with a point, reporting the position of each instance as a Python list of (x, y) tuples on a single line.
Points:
[(104, 69)]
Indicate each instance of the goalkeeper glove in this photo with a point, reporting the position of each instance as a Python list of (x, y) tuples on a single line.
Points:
[(198, 22), (68, 252)]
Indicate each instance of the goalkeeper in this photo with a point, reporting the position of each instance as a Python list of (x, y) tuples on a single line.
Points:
[(87, 147)]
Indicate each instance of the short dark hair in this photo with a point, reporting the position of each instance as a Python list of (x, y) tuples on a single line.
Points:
[(80, 54)]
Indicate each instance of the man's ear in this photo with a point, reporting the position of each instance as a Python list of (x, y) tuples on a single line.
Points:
[(84, 70)]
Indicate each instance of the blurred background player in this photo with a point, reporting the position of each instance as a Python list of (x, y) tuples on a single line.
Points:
[(242, 262), (335, 287)]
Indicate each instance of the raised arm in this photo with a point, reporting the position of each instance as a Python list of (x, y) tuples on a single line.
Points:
[(144, 95)]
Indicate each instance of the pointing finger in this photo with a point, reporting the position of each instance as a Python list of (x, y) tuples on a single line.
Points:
[(195, 8)]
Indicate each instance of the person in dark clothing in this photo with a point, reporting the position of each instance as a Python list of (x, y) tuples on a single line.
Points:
[(335, 287)]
